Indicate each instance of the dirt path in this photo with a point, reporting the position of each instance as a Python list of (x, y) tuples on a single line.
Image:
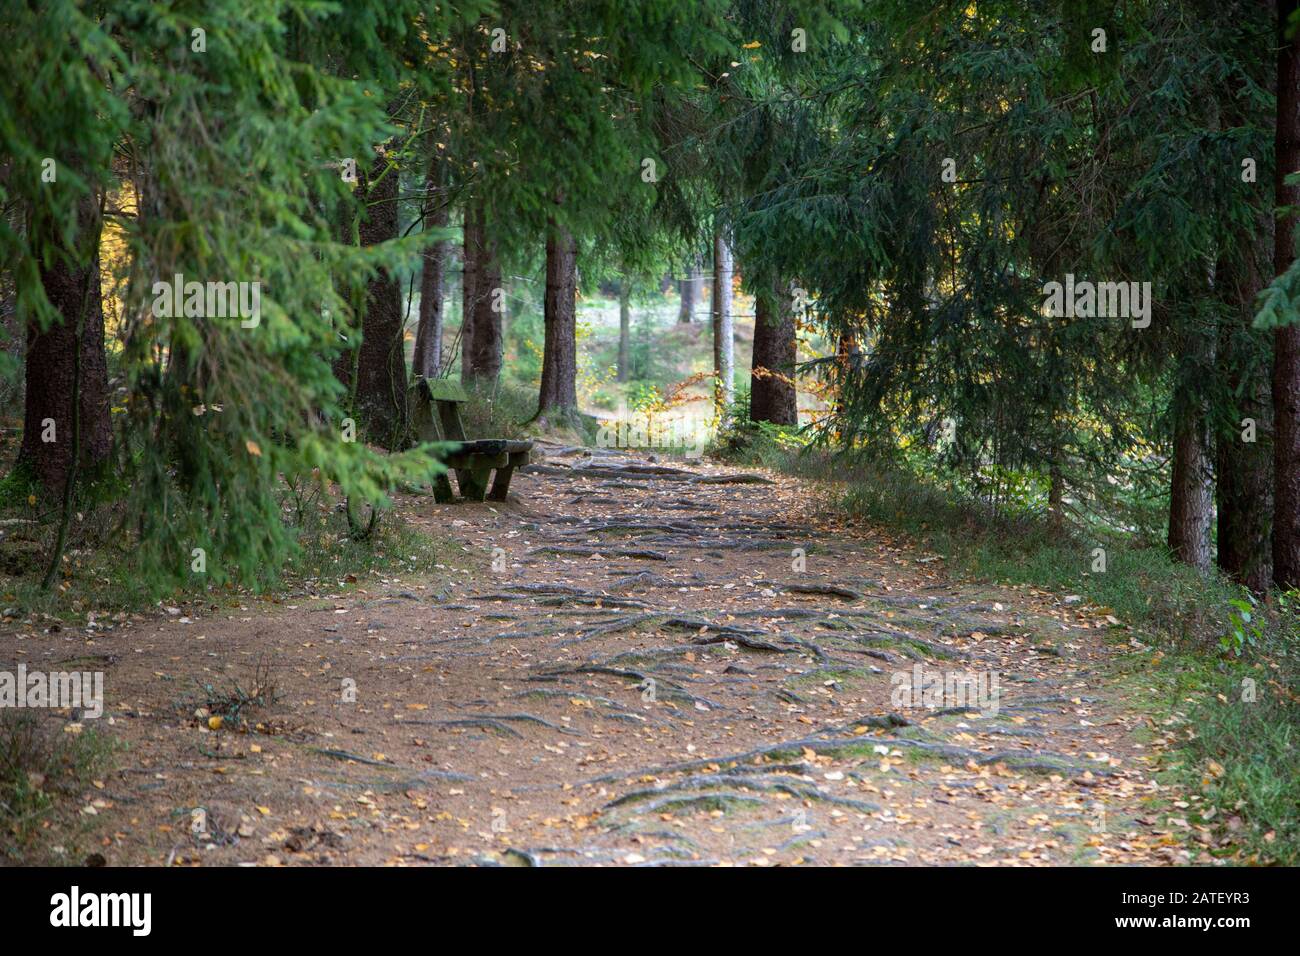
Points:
[(663, 668)]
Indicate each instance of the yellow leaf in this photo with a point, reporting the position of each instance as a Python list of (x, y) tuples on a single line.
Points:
[(214, 722), (264, 811), (752, 45)]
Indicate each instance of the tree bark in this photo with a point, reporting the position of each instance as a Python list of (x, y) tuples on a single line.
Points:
[(72, 285), (428, 336), (690, 291), (558, 397), (624, 326), (1244, 470), (724, 340), (1286, 347), (482, 340), (772, 396), (1190, 499), (471, 253), (1055, 493), (381, 358), (1191, 491)]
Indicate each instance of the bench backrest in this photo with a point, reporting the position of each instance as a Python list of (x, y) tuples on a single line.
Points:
[(435, 409)]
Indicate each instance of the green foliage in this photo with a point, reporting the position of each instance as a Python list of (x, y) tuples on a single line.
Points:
[(1241, 750), (646, 360), (1244, 631), (42, 769), (766, 444), (556, 125), (229, 168), (499, 411), (1061, 160), (1141, 583)]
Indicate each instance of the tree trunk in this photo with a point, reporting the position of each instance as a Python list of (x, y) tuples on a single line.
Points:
[(453, 265), (558, 397), (624, 326), (1189, 494), (470, 255), (1191, 491), (484, 297), (428, 336), (74, 290), (1245, 455), (481, 338), (772, 395), (690, 291), (1055, 493), (724, 339), (1286, 350), (381, 359), (344, 213), (489, 306)]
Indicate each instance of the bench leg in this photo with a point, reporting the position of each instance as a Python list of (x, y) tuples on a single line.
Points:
[(473, 482), (501, 484), (442, 492)]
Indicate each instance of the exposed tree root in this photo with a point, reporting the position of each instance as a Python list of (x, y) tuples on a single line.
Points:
[(732, 480), (357, 758), (645, 579), (827, 590), (638, 553), (615, 710), (462, 723), (1019, 760), (494, 722), (803, 789), (719, 800), (744, 640), (663, 686)]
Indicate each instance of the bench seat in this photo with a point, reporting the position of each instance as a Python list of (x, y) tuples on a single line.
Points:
[(435, 417)]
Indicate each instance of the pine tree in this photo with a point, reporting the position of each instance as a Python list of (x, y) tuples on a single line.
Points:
[(427, 360), (724, 340), (1286, 348), (558, 398), (772, 396), (379, 394), (230, 132), (66, 366)]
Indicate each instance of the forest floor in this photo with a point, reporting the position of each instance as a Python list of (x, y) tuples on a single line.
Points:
[(631, 662)]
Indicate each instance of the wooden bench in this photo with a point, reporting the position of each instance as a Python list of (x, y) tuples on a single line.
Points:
[(435, 416)]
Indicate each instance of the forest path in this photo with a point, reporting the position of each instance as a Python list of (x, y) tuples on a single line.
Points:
[(670, 665)]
